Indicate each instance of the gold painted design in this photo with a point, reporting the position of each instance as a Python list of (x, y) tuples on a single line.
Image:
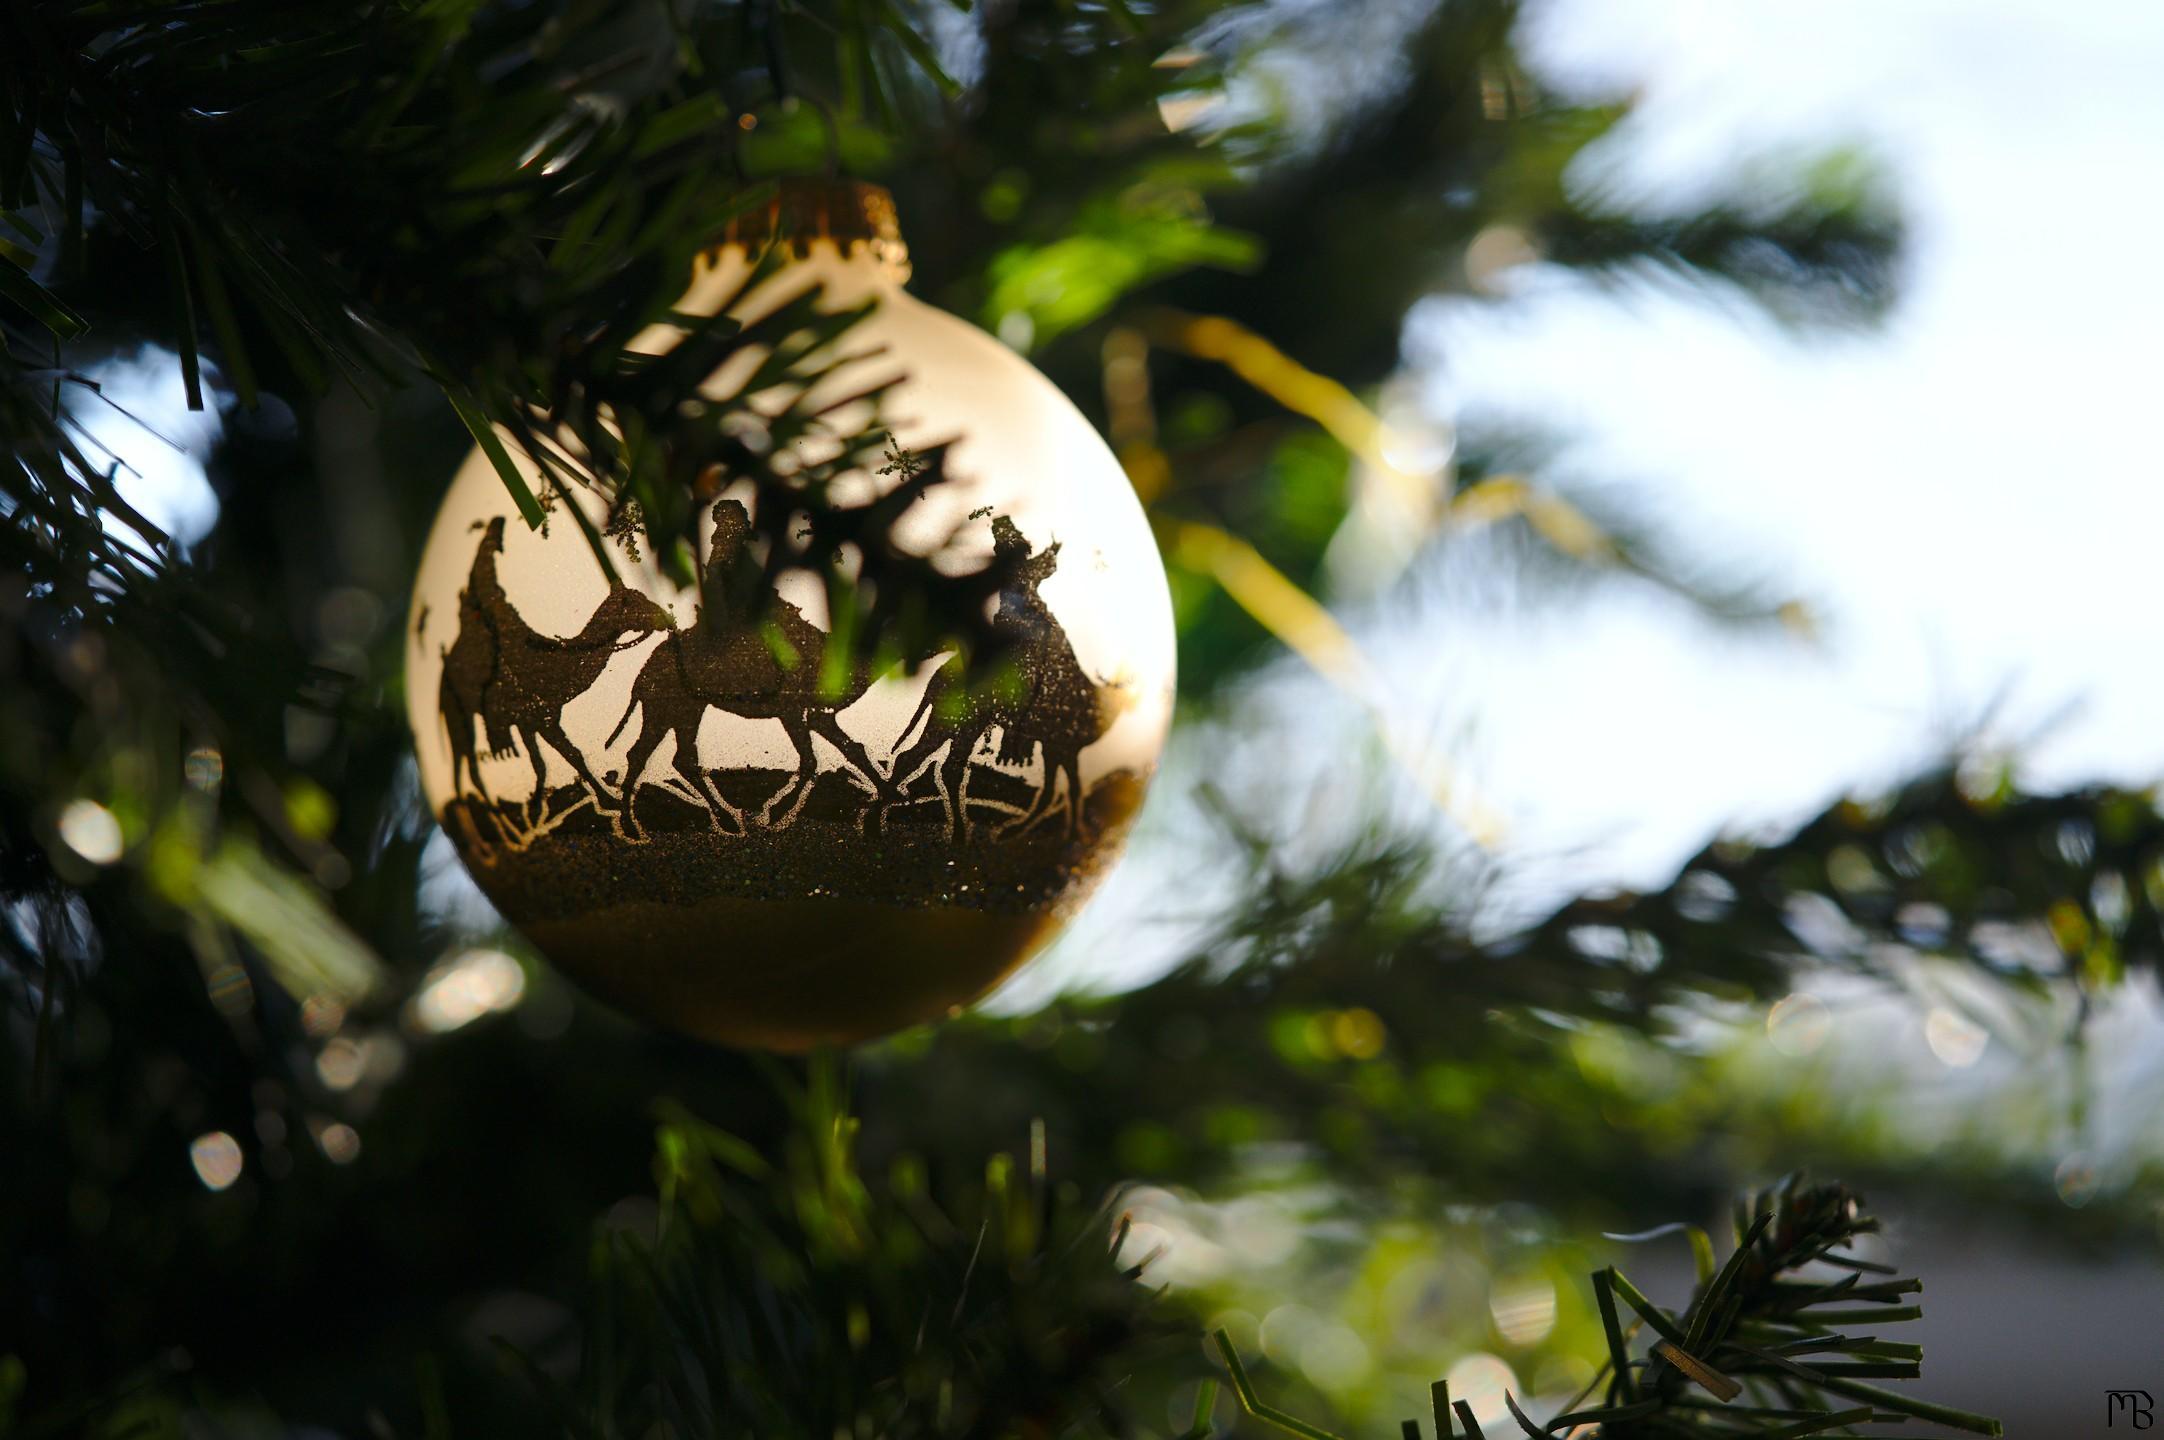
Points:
[(738, 903), (852, 215), (516, 681)]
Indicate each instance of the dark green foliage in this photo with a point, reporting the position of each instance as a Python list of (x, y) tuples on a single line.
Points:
[(500, 199), (792, 1296), (486, 1159)]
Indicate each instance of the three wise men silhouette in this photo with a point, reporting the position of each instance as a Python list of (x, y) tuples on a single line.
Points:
[(759, 658)]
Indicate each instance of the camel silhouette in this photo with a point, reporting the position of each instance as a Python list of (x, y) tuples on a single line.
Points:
[(1049, 700), (763, 663), (516, 681)]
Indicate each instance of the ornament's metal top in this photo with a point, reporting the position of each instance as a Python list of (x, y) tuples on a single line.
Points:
[(849, 214)]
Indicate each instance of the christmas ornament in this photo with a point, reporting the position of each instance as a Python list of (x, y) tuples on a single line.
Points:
[(657, 786)]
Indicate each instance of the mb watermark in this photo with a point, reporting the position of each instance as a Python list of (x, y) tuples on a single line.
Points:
[(2135, 1405)]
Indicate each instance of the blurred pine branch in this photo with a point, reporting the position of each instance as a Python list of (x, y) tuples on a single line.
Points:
[(1756, 1330), (1356, 1011), (794, 1295)]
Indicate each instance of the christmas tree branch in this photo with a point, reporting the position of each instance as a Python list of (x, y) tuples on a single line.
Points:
[(1752, 1332), (1348, 989), (792, 1293)]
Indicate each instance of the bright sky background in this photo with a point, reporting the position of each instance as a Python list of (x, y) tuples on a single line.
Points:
[(140, 421), (1967, 496)]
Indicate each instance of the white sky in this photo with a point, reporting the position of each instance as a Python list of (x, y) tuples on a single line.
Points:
[(144, 422), (1968, 496)]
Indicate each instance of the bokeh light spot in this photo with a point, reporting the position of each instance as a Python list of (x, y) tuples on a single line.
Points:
[(1241, 1325), (341, 1064), (1147, 1245), (322, 1015), (341, 1143), (1480, 1380), (91, 831), (1798, 1024), (1523, 1308), (1282, 1331), (217, 1159), (1260, 1229), (1358, 1033), (464, 988), (231, 991), (205, 769), (1333, 1355), (1957, 1040)]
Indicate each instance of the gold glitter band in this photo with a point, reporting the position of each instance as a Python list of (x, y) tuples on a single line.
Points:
[(846, 213)]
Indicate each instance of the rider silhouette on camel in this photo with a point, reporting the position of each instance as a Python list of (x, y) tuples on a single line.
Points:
[(516, 680)]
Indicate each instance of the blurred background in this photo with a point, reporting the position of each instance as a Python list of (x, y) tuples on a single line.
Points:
[(1658, 507)]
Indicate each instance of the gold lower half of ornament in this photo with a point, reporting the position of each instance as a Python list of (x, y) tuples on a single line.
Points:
[(830, 923), (791, 975)]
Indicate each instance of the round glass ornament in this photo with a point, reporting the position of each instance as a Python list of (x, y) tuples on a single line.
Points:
[(656, 787)]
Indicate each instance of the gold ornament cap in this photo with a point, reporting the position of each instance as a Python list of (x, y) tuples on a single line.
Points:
[(848, 214)]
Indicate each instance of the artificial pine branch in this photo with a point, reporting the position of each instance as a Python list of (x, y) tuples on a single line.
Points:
[(2025, 889), (791, 1294), (501, 198), (2043, 895), (1754, 1332)]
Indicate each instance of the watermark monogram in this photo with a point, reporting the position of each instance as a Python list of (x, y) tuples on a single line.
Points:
[(2134, 1404)]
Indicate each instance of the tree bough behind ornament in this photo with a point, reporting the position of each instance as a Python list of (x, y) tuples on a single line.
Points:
[(704, 816)]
